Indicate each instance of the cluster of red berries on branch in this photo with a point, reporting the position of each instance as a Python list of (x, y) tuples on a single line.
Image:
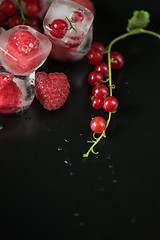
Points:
[(13, 13), (100, 79)]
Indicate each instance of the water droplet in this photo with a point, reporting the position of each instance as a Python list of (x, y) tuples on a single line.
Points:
[(110, 166), (126, 83), (68, 162), (81, 134), (71, 174), (1, 127), (81, 224), (76, 214), (59, 149), (112, 172), (115, 181), (133, 220), (108, 156), (66, 140)]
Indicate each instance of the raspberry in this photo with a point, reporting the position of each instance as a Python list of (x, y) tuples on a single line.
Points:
[(20, 53), (87, 4), (10, 94), (23, 42), (51, 89)]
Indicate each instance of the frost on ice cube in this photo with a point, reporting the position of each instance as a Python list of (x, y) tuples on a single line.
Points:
[(23, 50), (16, 92), (67, 24)]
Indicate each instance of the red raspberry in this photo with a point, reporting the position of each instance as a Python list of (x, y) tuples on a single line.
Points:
[(87, 4), (51, 89), (10, 94)]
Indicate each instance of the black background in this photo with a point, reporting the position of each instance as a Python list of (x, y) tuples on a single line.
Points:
[(47, 190)]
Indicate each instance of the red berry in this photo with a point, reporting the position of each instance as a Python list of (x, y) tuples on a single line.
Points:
[(10, 94), (77, 16), (117, 60), (14, 21), (100, 91), (1, 19), (110, 104), (8, 8), (51, 89), (98, 125), (95, 78), (58, 28), (23, 42), (33, 22), (102, 68), (97, 103), (98, 45), (32, 9), (94, 56)]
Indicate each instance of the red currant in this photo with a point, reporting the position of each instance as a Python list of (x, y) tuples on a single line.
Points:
[(8, 8), (100, 91), (97, 103), (102, 68), (14, 21), (117, 60), (98, 45), (33, 22), (59, 28), (1, 19), (94, 56), (32, 9), (98, 124), (77, 16), (110, 104), (95, 78)]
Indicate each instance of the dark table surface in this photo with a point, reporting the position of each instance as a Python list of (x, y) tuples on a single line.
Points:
[(48, 191)]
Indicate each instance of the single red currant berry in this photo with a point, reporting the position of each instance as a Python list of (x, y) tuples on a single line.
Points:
[(94, 56), (100, 91), (98, 124), (97, 103), (8, 8), (117, 60), (110, 104), (102, 68), (95, 78), (32, 9), (1, 19), (33, 22), (58, 28), (98, 45), (77, 16), (14, 21)]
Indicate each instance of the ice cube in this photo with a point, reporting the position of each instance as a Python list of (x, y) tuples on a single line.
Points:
[(16, 92), (23, 50), (75, 24)]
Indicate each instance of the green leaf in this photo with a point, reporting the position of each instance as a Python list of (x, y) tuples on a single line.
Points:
[(140, 19)]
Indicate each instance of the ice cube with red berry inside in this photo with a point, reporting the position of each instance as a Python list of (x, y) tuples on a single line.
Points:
[(23, 50), (67, 24)]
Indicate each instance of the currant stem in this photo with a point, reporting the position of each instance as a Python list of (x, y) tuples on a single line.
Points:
[(109, 78), (21, 12), (70, 23)]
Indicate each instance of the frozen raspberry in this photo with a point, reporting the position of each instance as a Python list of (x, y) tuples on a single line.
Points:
[(23, 42), (87, 4), (51, 89), (21, 48), (10, 94)]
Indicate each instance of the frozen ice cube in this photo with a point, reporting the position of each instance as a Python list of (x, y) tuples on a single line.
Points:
[(16, 92), (78, 19), (23, 50)]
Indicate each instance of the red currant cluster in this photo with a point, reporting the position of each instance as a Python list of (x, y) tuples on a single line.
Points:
[(11, 13), (101, 94)]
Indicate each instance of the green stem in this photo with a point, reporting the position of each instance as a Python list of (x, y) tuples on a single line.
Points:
[(21, 12), (70, 23), (109, 79)]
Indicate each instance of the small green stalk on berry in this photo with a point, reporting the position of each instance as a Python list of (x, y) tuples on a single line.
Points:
[(21, 12), (136, 25)]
